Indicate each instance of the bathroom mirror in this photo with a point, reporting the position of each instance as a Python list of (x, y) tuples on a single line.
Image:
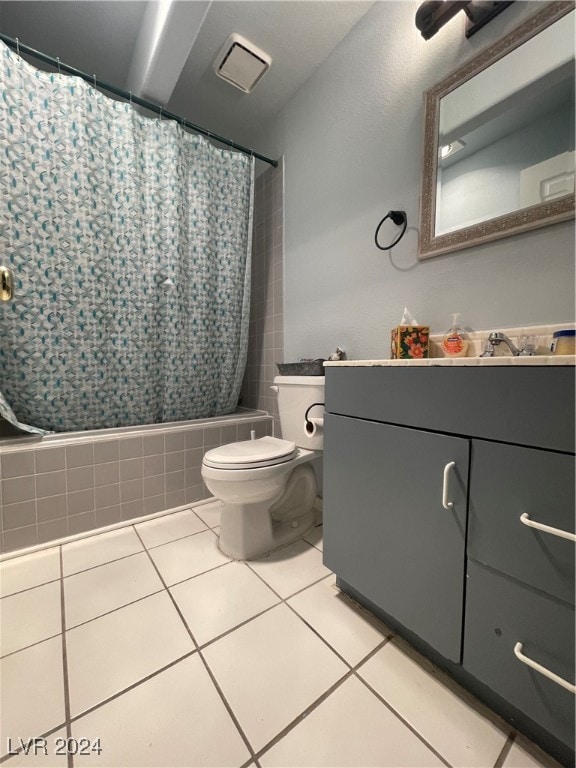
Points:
[(499, 138)]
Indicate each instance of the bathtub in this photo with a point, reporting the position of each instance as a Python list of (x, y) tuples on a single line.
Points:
[(64, 484)]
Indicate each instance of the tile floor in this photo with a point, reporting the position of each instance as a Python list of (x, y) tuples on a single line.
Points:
[(147, 646)]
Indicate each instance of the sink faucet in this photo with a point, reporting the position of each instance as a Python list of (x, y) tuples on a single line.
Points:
[(496, 338)]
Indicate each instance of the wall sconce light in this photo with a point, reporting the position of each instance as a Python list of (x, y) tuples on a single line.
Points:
[(433, 14), (450, 149)]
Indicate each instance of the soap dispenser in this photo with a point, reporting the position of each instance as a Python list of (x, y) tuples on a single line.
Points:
[(455, 342)]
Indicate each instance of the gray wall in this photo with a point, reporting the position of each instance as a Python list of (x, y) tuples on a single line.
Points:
[(351, 139)]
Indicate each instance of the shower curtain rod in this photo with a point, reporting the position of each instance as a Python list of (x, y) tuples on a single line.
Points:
[(20, 48)]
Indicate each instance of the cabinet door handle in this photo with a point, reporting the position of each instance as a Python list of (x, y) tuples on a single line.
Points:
[(445, 503), (543, 671), (525, 520)]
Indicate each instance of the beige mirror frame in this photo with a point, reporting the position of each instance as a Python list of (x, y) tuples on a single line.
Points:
[(503, 226)]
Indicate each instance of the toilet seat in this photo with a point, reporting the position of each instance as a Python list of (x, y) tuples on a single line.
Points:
[(251, 454)]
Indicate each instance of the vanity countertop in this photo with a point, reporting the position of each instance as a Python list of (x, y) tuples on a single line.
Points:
[(459, 361)]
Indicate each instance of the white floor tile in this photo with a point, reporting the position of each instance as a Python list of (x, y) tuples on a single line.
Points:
[(337, 620), (209, 512), (214, 602), (43, 754), (29, 617), (315, 537), (100, 549), (462, 735), (110, 653), (29, 571), (175, 719), (169, 527), (91, 593), (32, 692), (335, 735), (291, 568), (518, 757), (188, 557), (270, 670)]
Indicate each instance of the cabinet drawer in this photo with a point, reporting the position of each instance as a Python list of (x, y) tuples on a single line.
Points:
[(507, 482), (491, 402), (501, 612)]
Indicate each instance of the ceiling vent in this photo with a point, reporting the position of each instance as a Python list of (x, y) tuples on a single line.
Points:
[(241, 63)]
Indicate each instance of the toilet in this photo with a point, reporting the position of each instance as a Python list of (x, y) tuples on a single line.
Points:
[(267, 485)]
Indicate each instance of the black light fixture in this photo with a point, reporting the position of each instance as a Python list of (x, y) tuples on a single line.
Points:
[(433, 14)]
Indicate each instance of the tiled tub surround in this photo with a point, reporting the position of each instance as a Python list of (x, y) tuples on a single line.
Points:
[(153, 641), (62, 485), (266, 339)]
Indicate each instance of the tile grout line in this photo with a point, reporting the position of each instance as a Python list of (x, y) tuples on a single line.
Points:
[(310, 708), (32, 645), (204, 662), (28, 589), (115, 610), (70, 759), (128, 688), (352, 671), (508, 744), (212, 640), (399, 716), (305, 713)]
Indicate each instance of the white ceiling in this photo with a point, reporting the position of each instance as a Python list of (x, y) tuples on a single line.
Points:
[(174, 68)]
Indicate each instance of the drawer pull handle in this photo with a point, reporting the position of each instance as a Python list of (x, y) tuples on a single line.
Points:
[(445, 503), (543, 671), (525, 520)]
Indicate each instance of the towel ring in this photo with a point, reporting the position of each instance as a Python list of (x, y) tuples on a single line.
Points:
[(400, 219)]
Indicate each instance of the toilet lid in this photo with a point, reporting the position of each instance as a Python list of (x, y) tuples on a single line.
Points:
[(263, 452)]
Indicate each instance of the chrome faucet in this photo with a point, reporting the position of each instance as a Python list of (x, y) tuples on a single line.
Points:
[(496, 338)]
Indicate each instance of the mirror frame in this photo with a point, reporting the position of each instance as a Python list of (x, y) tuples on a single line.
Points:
[(502, 226)]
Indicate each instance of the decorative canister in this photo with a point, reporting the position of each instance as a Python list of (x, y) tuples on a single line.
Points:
[(563, 343)]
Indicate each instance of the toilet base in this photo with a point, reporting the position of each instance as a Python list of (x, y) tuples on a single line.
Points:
[(247, 531), (264, 508)]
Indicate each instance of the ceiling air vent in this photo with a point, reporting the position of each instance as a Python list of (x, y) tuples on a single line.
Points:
[(241, 63)]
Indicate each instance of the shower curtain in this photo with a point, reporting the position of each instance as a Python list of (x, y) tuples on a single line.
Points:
[(129, 240)]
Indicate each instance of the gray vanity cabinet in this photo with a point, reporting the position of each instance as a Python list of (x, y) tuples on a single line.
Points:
[(389, 534), (477, 587)]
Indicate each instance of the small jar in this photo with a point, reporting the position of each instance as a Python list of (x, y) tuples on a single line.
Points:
[(563, 343)]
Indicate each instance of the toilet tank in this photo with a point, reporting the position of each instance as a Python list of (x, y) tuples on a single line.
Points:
[(295, 395)]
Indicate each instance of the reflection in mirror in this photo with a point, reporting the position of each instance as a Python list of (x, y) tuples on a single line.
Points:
[(499, 138)]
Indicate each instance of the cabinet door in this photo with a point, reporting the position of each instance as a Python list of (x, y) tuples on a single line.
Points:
[(508, 482), (386, 531)]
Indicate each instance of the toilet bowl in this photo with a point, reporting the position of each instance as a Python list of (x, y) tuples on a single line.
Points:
[(268, 486)]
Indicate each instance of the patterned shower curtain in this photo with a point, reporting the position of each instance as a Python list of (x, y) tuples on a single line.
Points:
[(129, 240)]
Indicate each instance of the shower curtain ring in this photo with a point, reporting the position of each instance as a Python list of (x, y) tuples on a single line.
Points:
[(58, 62), (130, 97), (18, 46), (94, 76)]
